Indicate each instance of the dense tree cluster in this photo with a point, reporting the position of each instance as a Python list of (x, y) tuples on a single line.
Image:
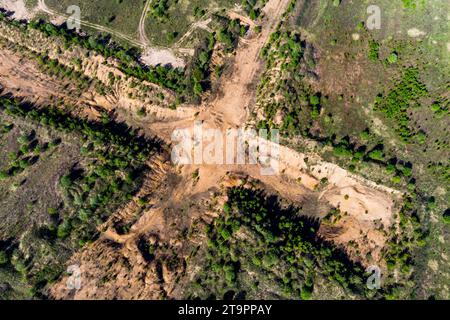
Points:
[(199, 71), (299, 106), (441, 108), (228, 32), (54, 68), (256, 244), (117, 159), (374, 50)]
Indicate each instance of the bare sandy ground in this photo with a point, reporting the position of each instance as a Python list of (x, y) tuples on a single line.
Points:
[(231, 108), (153, 57), (24, 80), (18, 7)]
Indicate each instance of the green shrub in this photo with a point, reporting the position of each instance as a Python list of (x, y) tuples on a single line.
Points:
[(446, 216), (393, 58), (374, 49), (3, 258), (376, 155)]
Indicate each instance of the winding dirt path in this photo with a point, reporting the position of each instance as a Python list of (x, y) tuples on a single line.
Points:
[(142, 34)]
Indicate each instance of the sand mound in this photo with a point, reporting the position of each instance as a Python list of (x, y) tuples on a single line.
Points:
[(18, 7)]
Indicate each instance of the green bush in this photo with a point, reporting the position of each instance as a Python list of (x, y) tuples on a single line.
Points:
[(3, 258), (446, 216), (376, 155)]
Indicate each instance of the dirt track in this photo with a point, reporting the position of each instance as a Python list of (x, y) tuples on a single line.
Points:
[(142, 34)]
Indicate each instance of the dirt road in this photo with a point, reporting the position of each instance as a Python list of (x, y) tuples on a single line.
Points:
[(231, 108), (142, 34)]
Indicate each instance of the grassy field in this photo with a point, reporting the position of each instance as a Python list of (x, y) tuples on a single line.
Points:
[(341, 54), (165, 29), (166, 22), (33, 191), (120, 15), (34, 159)]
